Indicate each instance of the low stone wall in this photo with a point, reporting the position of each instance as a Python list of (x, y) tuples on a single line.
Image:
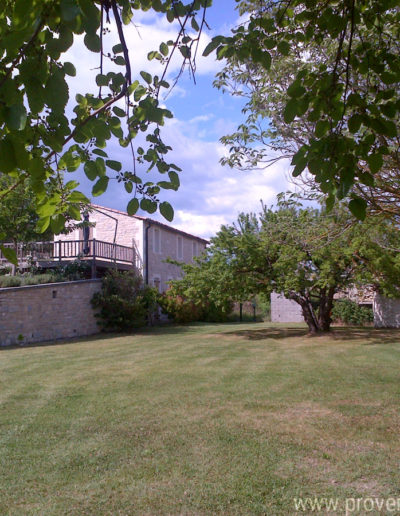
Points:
[(39, 313), (386, 312), (285, 310)]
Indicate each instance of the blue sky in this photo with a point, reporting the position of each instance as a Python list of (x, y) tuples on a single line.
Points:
[(210, 195)]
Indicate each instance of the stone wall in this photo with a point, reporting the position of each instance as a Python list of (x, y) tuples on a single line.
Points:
[(386, 312), (47, 312), (285, 310), (163, 243)]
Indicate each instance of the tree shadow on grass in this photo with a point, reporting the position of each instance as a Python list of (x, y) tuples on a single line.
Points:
[(369, 336), (162, 329)]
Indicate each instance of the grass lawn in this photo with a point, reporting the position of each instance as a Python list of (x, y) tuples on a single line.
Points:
[(199, 420)]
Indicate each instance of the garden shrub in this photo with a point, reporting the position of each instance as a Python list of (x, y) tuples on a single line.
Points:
[(123, 302), (10, 281), (181, 309), (76, 270), (349, 312)]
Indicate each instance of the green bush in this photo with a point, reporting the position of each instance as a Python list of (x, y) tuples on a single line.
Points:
[(349, 312), (76, 270), (10, 281), (22, 280), (183, 310), (123, 302)]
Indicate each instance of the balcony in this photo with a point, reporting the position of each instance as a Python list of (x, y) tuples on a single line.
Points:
[(100, 254)]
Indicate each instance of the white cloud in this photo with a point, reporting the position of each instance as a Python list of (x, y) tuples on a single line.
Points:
[(142, 36)]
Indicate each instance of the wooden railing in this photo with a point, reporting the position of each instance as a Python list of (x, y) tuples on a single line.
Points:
[(72, 249)]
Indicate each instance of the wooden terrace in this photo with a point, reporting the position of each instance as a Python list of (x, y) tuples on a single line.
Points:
[(100, 255)]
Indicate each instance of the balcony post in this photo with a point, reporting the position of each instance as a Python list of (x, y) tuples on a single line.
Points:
[(94, 260)]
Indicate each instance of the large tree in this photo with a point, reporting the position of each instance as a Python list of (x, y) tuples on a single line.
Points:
[(304, 253), (325, 75), (18, 217), (38, 137)]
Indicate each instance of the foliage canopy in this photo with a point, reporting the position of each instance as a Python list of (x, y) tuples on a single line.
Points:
[(40, 139), (304, 253), (326, 74)]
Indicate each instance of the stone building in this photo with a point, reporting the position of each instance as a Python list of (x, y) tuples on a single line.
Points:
[(152, 242)]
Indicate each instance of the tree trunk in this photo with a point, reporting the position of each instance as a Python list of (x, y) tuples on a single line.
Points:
[(322, 323), (325, 308)]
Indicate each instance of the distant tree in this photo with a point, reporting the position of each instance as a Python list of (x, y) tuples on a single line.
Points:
[(18, 217), (304, 253)]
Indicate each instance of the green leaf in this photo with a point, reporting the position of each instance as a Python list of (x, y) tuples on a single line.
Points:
[(214, 43), (128, 186), (296, 90), (354, 123), (174, 178), (42, 224), (56, 92), (164, 49), (290, 111), (146, 76), (358, 208), (15, 117), (119, 60), (9, 254), (76, 196), (101, 186), (117, 49), (8, 161), (167, 211), (69, 69), (330, 203), (69, 10), (36, 169), (115, 165), (185, 51), (133, 206), (119, 112), (283, 47), (300, 166), (321, 128), (195, 25), (375, 162), (100, 152), (92, 42), (148, 205), (262, 57), (101, 80), (90, 170), (57, 223)]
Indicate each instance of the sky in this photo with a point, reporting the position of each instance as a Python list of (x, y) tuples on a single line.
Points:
[(210, 194)]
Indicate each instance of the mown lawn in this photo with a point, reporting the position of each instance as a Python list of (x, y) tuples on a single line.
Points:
[(198, 420)]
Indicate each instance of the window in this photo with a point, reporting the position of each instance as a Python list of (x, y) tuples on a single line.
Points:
[(180, 248), (157, 283), (156, 241), (194, 249)]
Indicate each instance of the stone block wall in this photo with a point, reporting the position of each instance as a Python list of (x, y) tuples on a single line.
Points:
[(285, 310), (167, 247), (386, 312), (47, 312)]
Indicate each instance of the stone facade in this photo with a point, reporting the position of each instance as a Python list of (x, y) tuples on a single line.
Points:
[(152, 246), (47, 312), (166, 242), (386, 312), (285, 310)]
